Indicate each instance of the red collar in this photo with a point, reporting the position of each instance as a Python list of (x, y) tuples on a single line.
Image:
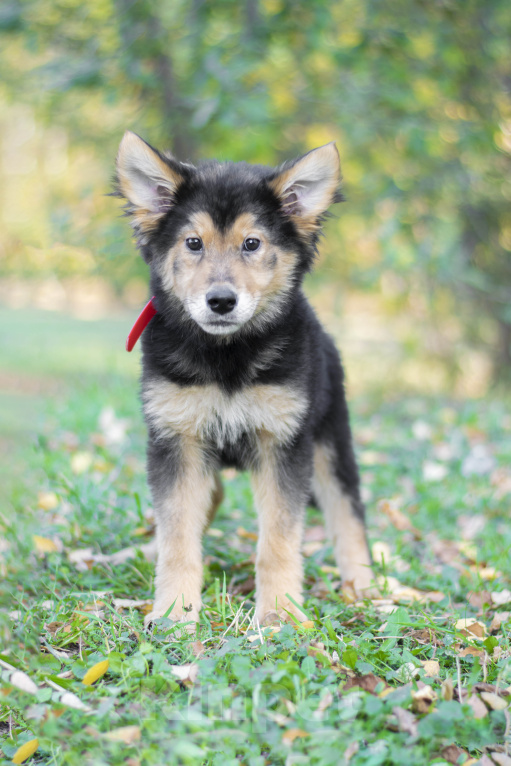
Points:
[(138, 328)]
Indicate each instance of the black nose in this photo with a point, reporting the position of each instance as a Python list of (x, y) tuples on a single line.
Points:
[(221, 300)]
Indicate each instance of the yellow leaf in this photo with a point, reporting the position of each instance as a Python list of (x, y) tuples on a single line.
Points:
[(470, 627), (95, 672), (431, 668), (493, 701), (25, 751), (44, 544), (48, 501), (307, 624), (290, 735), (126, 734)]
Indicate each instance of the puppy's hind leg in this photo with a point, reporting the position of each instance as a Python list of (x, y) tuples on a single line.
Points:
[(344, 515)]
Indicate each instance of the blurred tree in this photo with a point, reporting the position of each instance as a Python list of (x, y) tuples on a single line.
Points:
[(416, 93)]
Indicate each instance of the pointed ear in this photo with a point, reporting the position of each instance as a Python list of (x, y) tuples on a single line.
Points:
[(146, 180), (308, 186)]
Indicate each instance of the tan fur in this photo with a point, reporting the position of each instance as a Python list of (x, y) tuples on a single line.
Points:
[(346, 531), (262, 274), (207, 412), (279, 569), (181, 518), (134, 159), (318, 173)]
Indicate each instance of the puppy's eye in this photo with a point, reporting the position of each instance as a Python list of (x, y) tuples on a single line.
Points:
[(251, 244), (194, 244)]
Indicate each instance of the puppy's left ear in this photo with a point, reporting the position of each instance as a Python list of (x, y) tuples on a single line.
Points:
[(308, 186)]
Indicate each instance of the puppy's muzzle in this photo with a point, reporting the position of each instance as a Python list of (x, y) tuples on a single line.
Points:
[(221, 299)]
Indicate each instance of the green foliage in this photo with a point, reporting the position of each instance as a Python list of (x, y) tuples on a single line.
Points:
[(416, 95)]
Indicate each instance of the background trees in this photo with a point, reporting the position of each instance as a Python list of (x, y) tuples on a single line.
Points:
[(416, 94)]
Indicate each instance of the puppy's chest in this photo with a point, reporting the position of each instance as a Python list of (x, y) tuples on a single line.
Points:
[(210, 414)]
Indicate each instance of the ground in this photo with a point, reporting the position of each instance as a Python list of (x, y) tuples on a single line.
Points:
[(421, 675)]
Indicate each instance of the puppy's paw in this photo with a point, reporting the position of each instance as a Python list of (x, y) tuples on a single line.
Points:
[(361, 585), (278, 610)]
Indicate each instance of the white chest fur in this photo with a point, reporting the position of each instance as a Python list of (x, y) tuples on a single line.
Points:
[(207, 412)]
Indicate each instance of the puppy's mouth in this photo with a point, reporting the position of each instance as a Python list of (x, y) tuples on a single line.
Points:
[(220, 326)]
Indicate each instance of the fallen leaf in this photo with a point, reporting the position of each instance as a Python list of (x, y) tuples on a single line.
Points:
[(45, 544), (499, 618), (493, 701), (187, 674), (452, 753), (290, 735), (381, 552), (406, 721), (325, 701), (242, 532), (130, 603), (197, 648), (126, 734), (431, 668), (479, 598), (470, 627), (47, 501), (479, 709), (501, 597), (81, 462), (433, 471), (501, 759), (367, 683), (423, 699), (351, 750), (307, 624), (470, 650), (25, 751), (95, 673), (397, 517), (447, 689), (17, 678)]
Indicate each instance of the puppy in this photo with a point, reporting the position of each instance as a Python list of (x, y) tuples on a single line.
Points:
[(237, 370)]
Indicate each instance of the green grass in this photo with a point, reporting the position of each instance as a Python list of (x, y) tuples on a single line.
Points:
[(301, 695)]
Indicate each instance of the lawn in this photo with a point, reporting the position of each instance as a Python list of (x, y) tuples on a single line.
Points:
[(420, 675)]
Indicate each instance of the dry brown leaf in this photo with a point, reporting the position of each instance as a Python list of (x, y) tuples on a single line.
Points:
[(452, 753), (397, 517), (470, 650), (431, 668), (493, 701), (290, 735), (423, 699), (406, 721), (470, 627), (501, 759), (478, 707), (325, 701), (479, 598), (351, 750), (367, 683), (187, 674), (197, 648), (126, 734), (499, 618), (501, 597)]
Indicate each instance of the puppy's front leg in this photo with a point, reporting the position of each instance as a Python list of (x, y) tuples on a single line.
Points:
[(280, 497), (182, 486)]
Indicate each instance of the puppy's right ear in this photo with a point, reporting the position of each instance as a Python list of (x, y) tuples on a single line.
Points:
[(148, 181)]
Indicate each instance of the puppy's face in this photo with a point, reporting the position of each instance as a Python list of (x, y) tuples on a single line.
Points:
[(228, 241)]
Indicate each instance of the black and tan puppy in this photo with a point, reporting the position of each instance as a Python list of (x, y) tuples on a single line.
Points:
[(237, 370)]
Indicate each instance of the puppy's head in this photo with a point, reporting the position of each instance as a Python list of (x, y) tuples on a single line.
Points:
[(227, 242)]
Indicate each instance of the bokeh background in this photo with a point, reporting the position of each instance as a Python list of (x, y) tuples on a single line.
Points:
[(414, 277)]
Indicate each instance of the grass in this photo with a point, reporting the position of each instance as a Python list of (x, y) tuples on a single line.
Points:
[(373, 682)]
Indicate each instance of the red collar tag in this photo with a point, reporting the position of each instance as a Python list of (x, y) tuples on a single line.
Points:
[(138, 328)]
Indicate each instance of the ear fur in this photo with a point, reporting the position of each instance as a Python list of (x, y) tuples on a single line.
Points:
[(147, 180), (308, 186)]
